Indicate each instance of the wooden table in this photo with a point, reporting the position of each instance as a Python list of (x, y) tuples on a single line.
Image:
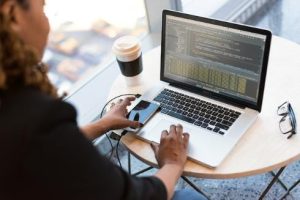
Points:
[(263, 148)]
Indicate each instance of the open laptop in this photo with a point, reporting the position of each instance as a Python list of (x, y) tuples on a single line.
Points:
[(212, 82)]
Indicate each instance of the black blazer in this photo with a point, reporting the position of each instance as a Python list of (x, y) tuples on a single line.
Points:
[(43, 155)]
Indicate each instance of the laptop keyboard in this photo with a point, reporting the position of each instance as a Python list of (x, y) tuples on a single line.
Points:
[(195, 111)]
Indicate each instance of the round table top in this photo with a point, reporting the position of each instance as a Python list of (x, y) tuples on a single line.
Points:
[(263, 148)]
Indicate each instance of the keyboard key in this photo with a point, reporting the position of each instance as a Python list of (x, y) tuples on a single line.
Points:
[(212, 123), (198, 123), (202, 114), (165, 111), (221, 133), (234, 116), (206, 121), (232, 120), (216, 129), (201, 119), (221, 126), (174, 109), (227, 113), (190, 115), (207, 116), (226, 123), (158, 99), (195, 117), (237, 113), (182, 117), (220, 115), (209, 112), (209, 128), (204, 125)]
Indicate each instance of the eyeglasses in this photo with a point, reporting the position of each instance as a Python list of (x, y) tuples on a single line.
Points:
[(287, 123)]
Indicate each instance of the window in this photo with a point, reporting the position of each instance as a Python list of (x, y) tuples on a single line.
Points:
[(202, 7), (82, 35)]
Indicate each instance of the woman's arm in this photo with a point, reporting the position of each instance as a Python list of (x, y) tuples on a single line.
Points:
[(60, 163), (114, 119), (171, 155)]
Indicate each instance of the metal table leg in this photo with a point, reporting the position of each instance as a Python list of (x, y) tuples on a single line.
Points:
[(271, 183), (279, 181), (142, 171), (290, 189), (194, 186), (129, 163)]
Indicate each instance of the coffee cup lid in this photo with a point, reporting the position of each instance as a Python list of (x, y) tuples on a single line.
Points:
[(127, 47)]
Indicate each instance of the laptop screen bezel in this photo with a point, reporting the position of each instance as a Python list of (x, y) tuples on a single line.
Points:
[(204, 92)]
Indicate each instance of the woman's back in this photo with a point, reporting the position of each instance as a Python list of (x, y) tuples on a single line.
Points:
[(47, 156)]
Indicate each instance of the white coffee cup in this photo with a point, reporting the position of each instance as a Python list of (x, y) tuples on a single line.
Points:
[(129, 57)]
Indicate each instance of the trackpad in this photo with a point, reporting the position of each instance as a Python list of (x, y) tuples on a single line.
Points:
[(155, 133)]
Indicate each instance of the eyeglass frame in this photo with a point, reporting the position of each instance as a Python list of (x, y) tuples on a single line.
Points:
[(290, 112)]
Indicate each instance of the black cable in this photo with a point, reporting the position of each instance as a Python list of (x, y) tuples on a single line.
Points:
[(117, 148), (111, 146), (117, 153), (101, 115)]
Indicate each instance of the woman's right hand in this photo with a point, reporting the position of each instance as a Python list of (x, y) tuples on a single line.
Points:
[(172, 148)]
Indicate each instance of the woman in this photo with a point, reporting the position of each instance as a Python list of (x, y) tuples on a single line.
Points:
[(43, 153)]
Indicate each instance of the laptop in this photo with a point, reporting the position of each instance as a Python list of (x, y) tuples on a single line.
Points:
[(212, 82)]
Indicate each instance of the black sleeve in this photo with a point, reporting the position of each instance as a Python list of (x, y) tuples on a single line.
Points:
[(62, 164)]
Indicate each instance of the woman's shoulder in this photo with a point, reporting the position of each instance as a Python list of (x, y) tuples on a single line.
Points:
[(29, 105)]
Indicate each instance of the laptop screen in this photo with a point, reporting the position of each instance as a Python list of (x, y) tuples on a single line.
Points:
[(214, 57)]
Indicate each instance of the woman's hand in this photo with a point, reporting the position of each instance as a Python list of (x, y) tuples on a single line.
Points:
[(171, 156), (114, 119), (172, 148)]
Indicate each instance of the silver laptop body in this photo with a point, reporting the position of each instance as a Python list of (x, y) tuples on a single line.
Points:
[(210, 63)]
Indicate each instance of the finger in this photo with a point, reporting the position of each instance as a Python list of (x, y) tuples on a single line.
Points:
[(130, 98), (164, 134), (120, 101), (154, 148), (179, 130), (112, 105), (186, 138), (127, 101), (172, 130), (134, 124)]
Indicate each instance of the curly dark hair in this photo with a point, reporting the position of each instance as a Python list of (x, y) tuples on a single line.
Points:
[(19, 63)]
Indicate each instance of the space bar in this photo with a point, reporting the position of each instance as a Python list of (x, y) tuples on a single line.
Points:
[(182, 117)]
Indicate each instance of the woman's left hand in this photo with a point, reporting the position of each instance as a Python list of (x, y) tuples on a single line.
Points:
[(115, 118)]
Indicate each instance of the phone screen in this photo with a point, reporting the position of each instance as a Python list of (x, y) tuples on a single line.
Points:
[(144, 110)]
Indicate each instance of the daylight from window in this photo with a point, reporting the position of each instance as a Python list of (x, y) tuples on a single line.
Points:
[(82, 33)]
